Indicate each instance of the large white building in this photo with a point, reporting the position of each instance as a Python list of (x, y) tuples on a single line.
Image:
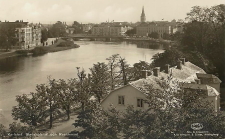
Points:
[(110, 29), (161, 27)]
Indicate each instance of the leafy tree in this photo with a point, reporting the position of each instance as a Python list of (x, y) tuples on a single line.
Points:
[(7, 35), (3, 132), (58, 29), (44, 35), (166, 36), (67, 95), (100, 80), (204, 33), (170, 56), (138, 67), (124, 70), (114, 70), (77, 27), (19, 131), (131, 32), (154, 35), (49, 95), (83, 88), (31, 109), (96, 123)]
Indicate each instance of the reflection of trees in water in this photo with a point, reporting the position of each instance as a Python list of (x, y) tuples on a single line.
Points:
[(151, 45), (10, 64)]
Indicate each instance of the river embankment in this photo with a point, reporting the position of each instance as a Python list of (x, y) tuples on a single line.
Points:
[(60, 45)]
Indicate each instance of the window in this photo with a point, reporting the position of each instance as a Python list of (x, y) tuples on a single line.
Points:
[(140, 103), (121, 100)]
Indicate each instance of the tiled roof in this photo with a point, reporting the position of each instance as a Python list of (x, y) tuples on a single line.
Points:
[(186, 74)]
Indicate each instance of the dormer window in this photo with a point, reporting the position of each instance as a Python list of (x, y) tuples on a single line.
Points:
[(121, 100)]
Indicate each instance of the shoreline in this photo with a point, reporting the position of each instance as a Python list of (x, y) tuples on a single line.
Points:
[(48, 49)]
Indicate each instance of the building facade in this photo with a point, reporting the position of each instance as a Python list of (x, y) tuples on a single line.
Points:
[(86, 27), (144, 29), (109, 29), (28, 36)]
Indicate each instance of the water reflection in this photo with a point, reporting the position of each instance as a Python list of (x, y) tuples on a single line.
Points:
[(11, 64)]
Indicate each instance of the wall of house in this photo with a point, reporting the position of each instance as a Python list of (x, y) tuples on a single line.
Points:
[(215, 85), (131, 95), (214, 101)]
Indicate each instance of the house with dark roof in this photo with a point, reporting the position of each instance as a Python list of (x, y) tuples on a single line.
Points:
[(191, 76)]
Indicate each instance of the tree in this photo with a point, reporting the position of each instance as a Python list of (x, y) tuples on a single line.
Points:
[(204, 33), (17, 130), (113, 69), (166, 36), (124, 67), (100, 80), (131, 32), (48, 93), (83, 88), (3, 132), (67, 95), (7, 35), (97, 123), (58, 29), (154, 35), (170, 56), (77, 27), (31, 109), (138, 67), (44, 35)]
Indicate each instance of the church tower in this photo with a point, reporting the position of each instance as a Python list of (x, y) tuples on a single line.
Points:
[(143, 15)]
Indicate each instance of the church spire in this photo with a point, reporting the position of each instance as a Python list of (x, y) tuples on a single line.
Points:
[(143, 18), (143, 11)]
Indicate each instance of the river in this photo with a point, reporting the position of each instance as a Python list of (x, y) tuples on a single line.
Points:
[(19, 75)]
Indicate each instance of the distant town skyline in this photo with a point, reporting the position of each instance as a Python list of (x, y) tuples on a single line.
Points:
[(96, 11)]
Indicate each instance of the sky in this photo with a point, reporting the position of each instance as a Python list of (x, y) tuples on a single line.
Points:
[(96, 11)]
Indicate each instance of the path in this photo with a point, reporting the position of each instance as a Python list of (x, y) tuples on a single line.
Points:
[(60, 129)]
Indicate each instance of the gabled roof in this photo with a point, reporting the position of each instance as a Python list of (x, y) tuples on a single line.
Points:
[(121, 88)]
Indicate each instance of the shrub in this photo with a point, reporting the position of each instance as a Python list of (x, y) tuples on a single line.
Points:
[(23, 52), (65, 44), (39, 50)]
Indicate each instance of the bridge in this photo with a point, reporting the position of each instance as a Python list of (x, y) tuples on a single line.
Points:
[(94, 37)]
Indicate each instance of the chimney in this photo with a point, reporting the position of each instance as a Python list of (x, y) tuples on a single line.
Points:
[(149, 73), (156, 71), (182, 60), (198, 81), (167, 68), (179, 65), (144, 74)]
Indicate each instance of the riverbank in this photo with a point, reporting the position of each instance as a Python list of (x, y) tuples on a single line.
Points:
[(8, 54), (60, 45)]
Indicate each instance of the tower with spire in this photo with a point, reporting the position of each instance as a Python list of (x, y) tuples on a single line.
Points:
[(143, 18)]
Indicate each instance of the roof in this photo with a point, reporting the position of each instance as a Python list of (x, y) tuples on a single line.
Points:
[(119, 89), (186, 74), (210, 90), (209, 76)]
